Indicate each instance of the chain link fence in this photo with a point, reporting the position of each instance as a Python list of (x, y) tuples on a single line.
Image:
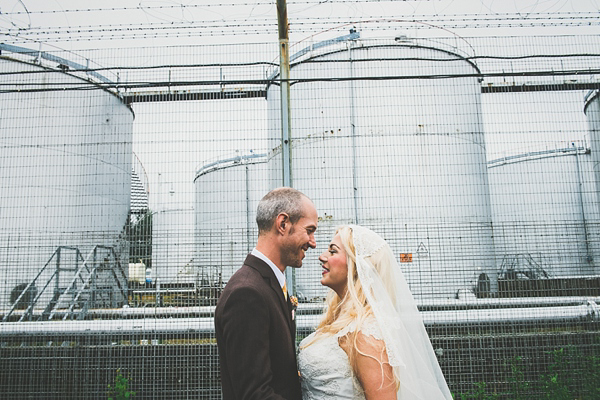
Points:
[(130, 186)]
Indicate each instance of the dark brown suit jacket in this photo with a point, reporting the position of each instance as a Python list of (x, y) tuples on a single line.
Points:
[(256, 337)]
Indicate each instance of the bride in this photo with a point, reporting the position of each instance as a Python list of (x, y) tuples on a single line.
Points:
[(371, 342)]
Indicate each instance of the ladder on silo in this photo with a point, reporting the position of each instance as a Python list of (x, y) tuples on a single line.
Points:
[(82, 292)]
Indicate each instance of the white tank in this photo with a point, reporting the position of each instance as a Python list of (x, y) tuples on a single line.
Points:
[(172, 245), (592, 113), (401, 154), (65, 157), (227, 195), (545, 212)]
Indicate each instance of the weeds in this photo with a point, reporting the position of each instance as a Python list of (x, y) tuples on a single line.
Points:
[(518, 384), (120, 390), (567, 375)]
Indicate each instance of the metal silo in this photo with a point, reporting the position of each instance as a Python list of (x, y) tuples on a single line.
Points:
[(66, 168), (389, 134), (227, 194), (592, 112), (545, 213), (172, 245)]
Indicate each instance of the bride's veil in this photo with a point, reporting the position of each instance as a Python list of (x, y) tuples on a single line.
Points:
[(408, 347)]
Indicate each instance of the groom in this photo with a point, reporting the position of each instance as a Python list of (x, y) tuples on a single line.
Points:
[(254, 326)]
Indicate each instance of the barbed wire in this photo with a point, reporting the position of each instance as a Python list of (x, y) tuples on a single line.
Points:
[(582, 17), (228, 25), (230, 29), (192, 6)]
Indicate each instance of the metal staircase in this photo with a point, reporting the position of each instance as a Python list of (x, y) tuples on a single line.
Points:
[(521, 266), (98, 280)]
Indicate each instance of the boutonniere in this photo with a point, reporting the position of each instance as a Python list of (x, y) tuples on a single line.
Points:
[(294, 301)]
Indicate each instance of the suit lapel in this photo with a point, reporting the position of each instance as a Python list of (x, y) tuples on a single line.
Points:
[(267, 273)]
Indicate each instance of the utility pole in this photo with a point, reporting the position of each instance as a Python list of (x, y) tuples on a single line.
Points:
[(286, 119), (284, 75)]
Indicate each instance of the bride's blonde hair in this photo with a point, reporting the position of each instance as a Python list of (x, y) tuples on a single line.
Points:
[(353, 307)]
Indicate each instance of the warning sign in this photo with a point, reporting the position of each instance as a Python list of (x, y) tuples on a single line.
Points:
[(422, 250), (406, 257)]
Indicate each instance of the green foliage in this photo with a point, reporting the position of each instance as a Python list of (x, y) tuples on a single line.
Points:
[(591, 377), (120, 390), (568, 375), (572, 375), (558, 380), (478, 393), (518, 385)]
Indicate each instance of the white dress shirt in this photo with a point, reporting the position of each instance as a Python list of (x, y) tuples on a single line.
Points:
[(278, 274)]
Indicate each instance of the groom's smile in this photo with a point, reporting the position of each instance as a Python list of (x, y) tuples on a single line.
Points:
[(301, 236)]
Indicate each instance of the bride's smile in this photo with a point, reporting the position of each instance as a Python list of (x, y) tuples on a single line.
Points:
[(335, 266)]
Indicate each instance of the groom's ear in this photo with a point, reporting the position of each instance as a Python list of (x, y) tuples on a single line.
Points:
[(282, 223)]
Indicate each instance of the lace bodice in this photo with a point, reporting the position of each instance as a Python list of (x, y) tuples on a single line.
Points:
[(324, 367)]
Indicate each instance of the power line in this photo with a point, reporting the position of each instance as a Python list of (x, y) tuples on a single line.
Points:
[(274, 64), (130, 85)]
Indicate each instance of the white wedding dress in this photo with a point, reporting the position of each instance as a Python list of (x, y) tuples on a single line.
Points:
[(324, 367)]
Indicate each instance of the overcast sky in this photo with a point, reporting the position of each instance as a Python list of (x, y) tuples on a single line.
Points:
[(77, 24)]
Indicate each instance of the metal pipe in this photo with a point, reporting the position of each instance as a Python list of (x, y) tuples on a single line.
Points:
[(353, 132), (317, 308), (588, 256), (248, 211), (466, 318), (220, 164), (305, 322)]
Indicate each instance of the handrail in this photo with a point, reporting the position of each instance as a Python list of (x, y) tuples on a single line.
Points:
[(59, 296), (29, 286), (61, 61), (86, 282)]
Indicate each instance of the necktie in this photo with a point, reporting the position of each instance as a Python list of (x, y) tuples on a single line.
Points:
[(284, 288)]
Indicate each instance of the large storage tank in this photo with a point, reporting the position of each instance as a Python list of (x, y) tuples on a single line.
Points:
[(65, 161), (227, 194), (172, 246), (545, 213), (379, 139), (592, 112)]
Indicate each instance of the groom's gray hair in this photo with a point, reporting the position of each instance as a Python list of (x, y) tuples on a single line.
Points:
[(281, 200)]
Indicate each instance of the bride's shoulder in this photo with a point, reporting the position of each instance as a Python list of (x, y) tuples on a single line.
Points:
[(371, 328), (367, 327)]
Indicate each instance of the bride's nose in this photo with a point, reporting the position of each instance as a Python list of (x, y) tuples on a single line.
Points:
[(322, 257)]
